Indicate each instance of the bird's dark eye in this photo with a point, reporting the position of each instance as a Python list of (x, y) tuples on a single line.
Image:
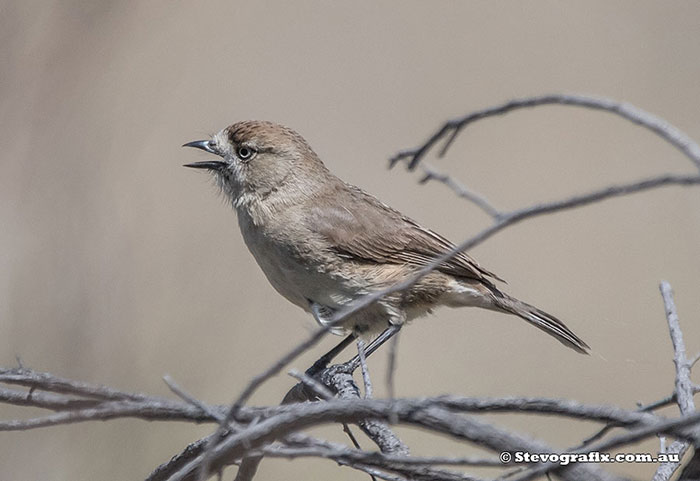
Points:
[(245, 153)]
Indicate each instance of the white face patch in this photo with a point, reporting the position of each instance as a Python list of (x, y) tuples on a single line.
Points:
[(222, 143), (234, 178)]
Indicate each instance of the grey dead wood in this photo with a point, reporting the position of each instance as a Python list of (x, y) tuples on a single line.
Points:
[(684, 386), (74, 401)]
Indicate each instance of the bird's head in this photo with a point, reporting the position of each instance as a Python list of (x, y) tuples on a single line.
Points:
[(258, 158)]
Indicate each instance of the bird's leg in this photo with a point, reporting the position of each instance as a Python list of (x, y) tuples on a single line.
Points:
[(354, 363), (390, 332), (324, 360)]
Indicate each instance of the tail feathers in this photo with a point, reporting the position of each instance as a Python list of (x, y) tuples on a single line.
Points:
[(540, 319)]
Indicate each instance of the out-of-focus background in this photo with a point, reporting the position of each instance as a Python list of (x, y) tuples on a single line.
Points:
[(118, 266)]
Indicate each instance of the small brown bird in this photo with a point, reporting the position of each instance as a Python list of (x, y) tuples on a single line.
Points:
[(323, 243)]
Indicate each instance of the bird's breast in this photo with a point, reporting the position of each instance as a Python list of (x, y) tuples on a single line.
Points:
[(295, 270)]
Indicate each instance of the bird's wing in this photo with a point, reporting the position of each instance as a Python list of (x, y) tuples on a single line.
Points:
[(360, 227)]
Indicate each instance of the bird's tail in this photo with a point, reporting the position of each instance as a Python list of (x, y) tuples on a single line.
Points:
[(540, 319)]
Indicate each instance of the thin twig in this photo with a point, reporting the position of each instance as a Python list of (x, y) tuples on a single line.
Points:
[(668, 400), (274, 369), (147, 410), (321, 391), (391, 367), (248, 467), (652, 406), (166, 470), (249, 464), (458, 404), (302, 441), (375, 473), (365, 370), (175, 388), (461, 190), (351, 436), (694, 360), (418, 468), (56, 402), (655, 124), (47, 382), (354, 441)]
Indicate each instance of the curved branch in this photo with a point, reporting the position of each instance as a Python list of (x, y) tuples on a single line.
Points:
[(655, 124)]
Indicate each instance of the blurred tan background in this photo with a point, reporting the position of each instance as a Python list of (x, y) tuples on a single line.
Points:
[(118, 266)]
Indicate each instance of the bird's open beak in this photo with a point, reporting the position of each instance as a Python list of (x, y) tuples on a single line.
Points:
[(207, 146)]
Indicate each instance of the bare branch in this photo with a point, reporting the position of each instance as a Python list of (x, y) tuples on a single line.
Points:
[(212, 413), (370, 458), (166, 470), (248, 468), (49, 382), (460, 189), (341, 381), (365, 370), (44, 400), (640, 408), (148, 410), (627, 111), (434, 419), (154, 408), (274, 369), (692, 362), (322, 391), (351, 436), (391, 367), (684, 386), (415, 468), (410, 411), (499, 440)]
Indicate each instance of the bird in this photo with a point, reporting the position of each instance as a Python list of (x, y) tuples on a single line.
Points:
[(323, 243)]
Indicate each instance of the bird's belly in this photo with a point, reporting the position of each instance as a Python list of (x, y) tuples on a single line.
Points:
[(298, 280), (302, 280), (301, 283)]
